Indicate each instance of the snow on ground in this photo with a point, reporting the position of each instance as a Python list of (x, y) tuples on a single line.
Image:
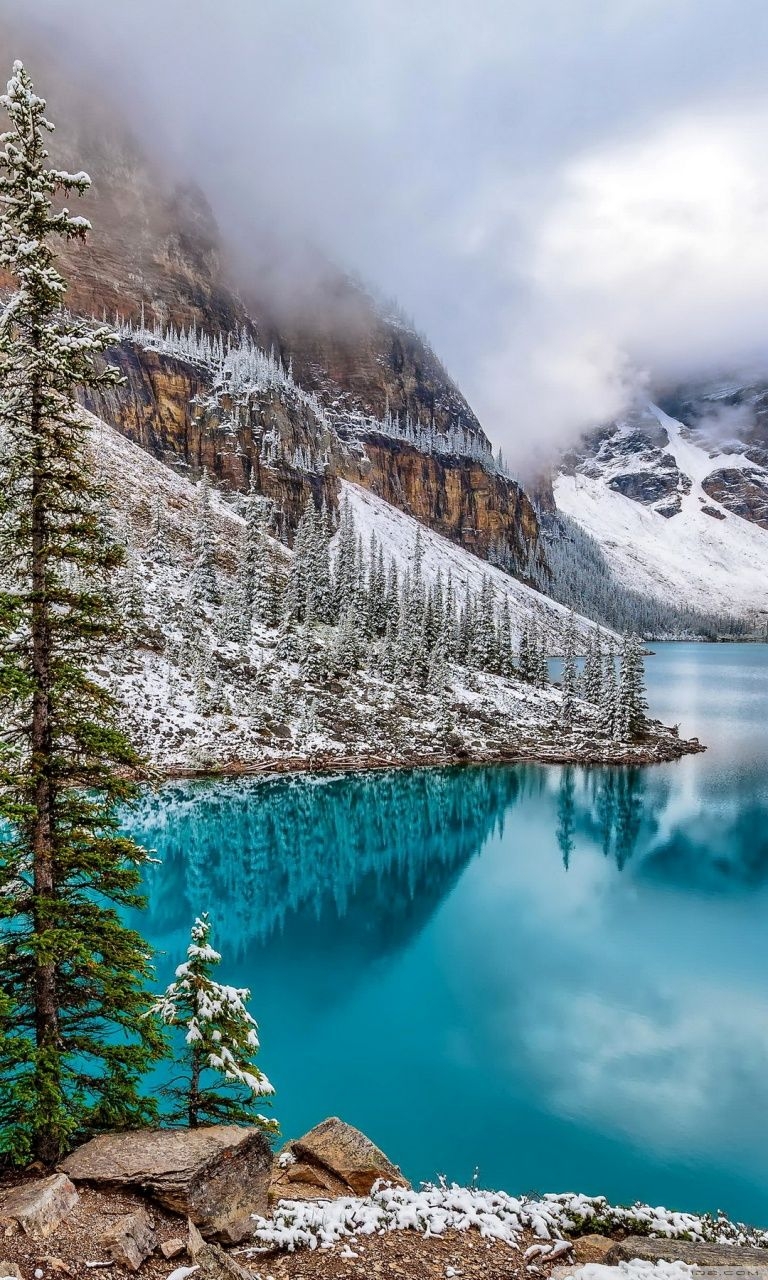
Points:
[(637, 1269), (397, 533), (260, 705), (691, 558), (435, 1209)]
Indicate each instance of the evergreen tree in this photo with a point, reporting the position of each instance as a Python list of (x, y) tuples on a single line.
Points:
[(437, 670), (204, 582), (484, 650), (568, 684), (633, 706), (607, 707), (73, 1045), (222, 1081), (319, 589), (525, 663), (592, 677), (346, 574), (506, 655), (539, 666), (299, 598), (251, 570)]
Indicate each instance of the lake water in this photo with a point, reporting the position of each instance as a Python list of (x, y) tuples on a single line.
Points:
[(555, 976)]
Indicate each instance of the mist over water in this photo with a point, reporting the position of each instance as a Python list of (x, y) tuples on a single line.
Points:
[(554, 974)]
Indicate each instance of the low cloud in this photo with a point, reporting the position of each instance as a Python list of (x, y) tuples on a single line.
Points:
[(570, 199)]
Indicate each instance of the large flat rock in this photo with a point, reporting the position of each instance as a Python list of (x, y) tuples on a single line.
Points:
[(216, 1175), (700, 1255)]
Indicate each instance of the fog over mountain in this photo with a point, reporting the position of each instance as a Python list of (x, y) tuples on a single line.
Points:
[(570, 199)]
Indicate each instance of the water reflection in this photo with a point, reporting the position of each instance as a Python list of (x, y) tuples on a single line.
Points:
[(578, 954), (378, 851)]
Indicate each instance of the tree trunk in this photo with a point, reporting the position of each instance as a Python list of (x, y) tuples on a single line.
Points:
[(193, 1118), (46, 1002)]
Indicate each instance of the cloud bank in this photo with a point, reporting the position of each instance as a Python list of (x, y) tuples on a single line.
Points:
[(569, 196)]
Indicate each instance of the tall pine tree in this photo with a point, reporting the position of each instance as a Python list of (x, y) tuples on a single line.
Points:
[(72, 1043)]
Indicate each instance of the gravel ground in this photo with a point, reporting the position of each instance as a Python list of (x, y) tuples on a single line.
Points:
[(397, 1255)]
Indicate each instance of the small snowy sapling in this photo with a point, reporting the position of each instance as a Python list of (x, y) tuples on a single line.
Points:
[(221, 1082)]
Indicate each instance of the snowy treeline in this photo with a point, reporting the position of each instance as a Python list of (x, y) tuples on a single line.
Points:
[(581, 578), (241, 370), (368, 615), (240, 651), (456, 442)]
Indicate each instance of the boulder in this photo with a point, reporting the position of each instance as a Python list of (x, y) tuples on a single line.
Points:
[(216, 1175), (9, 1271), (172, 1248), (39, 1207), (299, 1180), (333, 1159), (752, 1261), (211, 1260), (130, 1239), (592, 1248)]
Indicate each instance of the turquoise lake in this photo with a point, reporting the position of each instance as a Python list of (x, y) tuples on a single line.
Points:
[(557, 977)]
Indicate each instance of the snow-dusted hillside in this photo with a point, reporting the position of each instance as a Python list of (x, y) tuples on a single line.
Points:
[(397, 533), (645, 490), (200, 691)]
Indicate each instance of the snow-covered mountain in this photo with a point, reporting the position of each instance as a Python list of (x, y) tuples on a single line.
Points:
[(680, 513)]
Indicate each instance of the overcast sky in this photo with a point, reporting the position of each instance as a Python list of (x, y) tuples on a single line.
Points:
[(570, 197)]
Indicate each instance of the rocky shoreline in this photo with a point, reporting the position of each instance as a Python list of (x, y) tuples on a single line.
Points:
[(661, 746), (216, 1202)]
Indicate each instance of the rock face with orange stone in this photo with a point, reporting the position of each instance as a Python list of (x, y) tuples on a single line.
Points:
[(333, 1159)]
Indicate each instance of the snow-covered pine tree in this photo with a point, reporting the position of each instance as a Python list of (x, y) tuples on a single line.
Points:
[(592, 676), (484, 641), (346, 650), (437, 669), (568, 683), (299, 595), (345, 569), (72, 975), (222, 1083), (449, 616), (392, 597), (251, 570), (525, 661), (607, 706), (506, 655), (465, 633), (632, 702), (319, 587), (204, 582), (538, 652)]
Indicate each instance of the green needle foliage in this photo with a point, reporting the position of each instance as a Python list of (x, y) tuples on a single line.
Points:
[(221, 1083), (73, 1043)]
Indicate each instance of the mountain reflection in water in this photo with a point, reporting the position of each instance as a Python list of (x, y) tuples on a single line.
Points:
[(557, 974)]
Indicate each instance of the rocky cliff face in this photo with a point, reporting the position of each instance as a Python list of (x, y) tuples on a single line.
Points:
[(369, 400), (286, 442)]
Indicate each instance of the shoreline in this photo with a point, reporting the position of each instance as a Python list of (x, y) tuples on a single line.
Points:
[(661, 749)]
